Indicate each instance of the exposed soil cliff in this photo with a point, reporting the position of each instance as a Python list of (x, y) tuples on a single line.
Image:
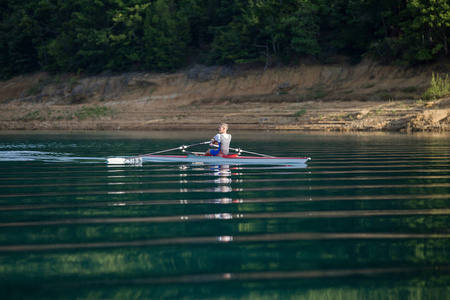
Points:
[(364, 97)]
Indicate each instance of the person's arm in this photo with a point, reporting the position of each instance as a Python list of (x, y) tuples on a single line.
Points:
[(214, 140)]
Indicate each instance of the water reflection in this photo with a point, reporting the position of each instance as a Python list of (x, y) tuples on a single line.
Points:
[(221, 176)]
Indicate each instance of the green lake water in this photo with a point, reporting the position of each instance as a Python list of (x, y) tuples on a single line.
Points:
[(367, 218)]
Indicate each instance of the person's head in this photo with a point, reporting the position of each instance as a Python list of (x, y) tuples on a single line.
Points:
[(223, 127)]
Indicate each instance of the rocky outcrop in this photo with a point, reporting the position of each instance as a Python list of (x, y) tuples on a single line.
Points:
[(430, 120)]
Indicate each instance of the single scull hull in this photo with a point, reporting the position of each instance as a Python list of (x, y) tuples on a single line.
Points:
[(215, 160)]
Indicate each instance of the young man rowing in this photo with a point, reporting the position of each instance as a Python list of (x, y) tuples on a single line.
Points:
[(222, 139)]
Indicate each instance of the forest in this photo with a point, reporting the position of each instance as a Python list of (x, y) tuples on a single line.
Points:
[(94, 36)]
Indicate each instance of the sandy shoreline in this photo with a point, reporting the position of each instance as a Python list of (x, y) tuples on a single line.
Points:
[(400, 116), (366, 97)]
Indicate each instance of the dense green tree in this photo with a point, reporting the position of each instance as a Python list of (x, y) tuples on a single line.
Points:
[(83, 42), (301, 29), (232, 44), (126, 35), (267, 31), (426, 28), (197, 14), (414, 31), (285, 28), (354, 27), (18, 32), (166, 37), (120, 35)]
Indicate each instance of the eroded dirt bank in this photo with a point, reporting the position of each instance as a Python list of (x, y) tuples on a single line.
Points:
[(365, 97)]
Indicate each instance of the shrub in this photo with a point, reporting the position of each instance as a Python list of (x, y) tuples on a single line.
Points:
[(300, 113), (439, 87)]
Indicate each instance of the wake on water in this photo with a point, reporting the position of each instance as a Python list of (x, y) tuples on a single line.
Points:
[(9, 156)]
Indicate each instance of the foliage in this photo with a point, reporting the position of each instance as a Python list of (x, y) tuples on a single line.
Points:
[(429, 26), (300, 113), (166, 37), (163, 35), (94, 112), (420, 32), (439, 87)]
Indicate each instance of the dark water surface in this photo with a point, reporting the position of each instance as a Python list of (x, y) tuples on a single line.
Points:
[(368, 218)]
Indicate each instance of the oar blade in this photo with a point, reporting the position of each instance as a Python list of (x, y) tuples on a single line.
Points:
[(124, 161)]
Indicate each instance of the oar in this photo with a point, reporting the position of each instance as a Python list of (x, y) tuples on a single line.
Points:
[(177, 148), (239, 150), (138, 159), (249, 152)]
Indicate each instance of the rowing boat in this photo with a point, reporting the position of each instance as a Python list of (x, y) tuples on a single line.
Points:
[(195, 157), (215, 160)]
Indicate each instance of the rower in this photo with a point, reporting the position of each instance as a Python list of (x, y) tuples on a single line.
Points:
[(222, 139)]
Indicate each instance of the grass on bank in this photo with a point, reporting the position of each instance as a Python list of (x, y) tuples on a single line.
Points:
[(299, 113), (93, 112), (83, 113), (439, 87)]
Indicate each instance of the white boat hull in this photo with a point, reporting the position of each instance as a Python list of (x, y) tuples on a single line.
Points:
[(214, 160)]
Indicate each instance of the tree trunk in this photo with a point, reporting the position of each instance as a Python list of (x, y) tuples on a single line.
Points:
[(445, 44)]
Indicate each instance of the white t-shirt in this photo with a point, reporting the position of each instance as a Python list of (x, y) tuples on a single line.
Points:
[(224, 141)]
